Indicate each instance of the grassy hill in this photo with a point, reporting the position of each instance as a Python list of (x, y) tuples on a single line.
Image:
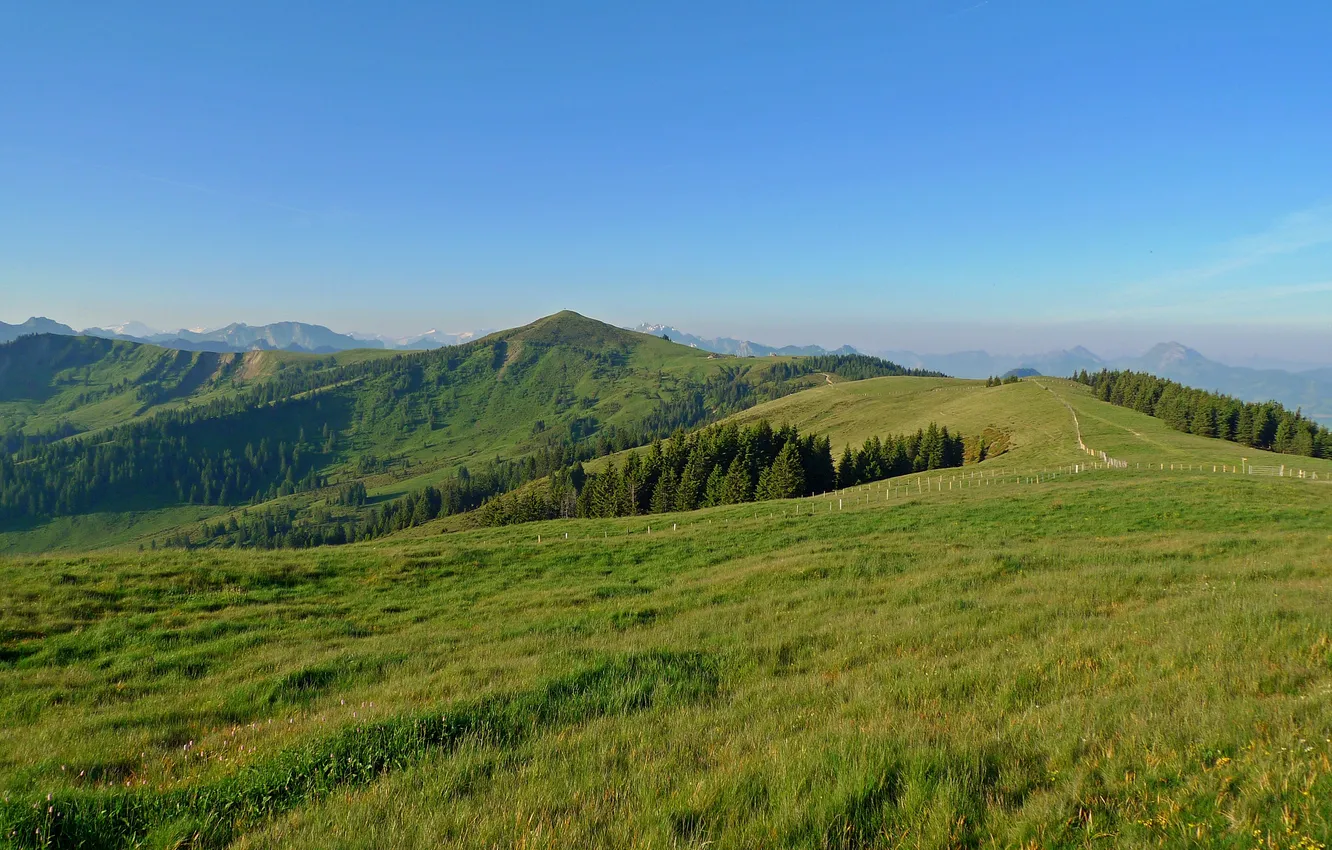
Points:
[(1006, 654), (1115, 658), (1030, 419), (92, 416)]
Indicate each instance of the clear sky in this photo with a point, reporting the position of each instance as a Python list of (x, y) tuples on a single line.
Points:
[(935, 174)]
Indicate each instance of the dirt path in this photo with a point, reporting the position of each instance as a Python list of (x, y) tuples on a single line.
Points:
[(1077, 427)]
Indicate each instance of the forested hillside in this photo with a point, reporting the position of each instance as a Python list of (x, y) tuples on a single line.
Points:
[(1268, 425), (473, 420), (724, 465)]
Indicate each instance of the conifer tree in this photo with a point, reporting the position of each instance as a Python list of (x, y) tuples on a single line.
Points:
[(846, 469), (736, 487), (689, 490), (663, 496), (713, 492), (786, 479), (762, 490)]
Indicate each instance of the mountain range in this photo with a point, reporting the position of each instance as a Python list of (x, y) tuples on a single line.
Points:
[(738, 347), (238, 336), (197, 433), (1309, 390)]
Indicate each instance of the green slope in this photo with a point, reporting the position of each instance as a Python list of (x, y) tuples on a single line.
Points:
[(63, 385), (1031, 416), (1098, 660), (395, 423)]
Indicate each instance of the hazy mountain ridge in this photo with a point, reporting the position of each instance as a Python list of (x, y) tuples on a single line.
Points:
[(239, 337), (738, 347), (1310, 390), (34, 325)]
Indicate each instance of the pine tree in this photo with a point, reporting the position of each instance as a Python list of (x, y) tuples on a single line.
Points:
[(763, 490), (786, 480), (632, 488), (736, 487), (689, 491), (713, 491), (1285, 432), (1302, 443), (846, 469), (663, 496)]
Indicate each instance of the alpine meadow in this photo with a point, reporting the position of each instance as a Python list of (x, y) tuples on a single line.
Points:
[(698, 426), (572, 586)]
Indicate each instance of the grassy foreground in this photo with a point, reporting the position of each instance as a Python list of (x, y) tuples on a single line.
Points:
[(1118, 658)]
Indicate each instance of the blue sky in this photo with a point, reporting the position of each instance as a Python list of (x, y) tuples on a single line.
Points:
[(927, 174)]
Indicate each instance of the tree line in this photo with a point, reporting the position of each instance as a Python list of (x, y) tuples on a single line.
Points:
[(719, 465), (184, 457), (559, 446), (1267, 425), (722, 465)]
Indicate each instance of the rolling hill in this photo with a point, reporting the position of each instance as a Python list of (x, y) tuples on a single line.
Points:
[(1014, 654), (62, 385), (114, 440), (1031, 419)]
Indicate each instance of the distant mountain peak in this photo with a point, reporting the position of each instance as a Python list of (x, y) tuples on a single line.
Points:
[(1166, 353), (132, 328), (735, 347)]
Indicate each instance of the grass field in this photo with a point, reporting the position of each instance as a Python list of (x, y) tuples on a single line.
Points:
[(1031, 415), (1009, 654), (1117, 658)]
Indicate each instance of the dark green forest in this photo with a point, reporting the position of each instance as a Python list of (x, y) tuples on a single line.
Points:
[(1268, 425), (723, 465), (213, 454), (718, 465)]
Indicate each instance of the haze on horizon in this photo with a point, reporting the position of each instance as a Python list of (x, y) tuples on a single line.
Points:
[(934, 176)]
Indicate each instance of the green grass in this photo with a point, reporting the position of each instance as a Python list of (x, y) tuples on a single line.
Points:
[(105, 528), (1037, 427), (209, 813), (1117, 658)]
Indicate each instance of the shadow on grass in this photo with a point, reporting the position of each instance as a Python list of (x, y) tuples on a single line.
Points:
[(212, 814)]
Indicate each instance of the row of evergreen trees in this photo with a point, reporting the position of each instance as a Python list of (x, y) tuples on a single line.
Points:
[(1268, 425), (719, 466), (929, 448)]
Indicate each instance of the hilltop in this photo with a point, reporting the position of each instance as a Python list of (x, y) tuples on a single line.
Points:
[(278, 430)]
